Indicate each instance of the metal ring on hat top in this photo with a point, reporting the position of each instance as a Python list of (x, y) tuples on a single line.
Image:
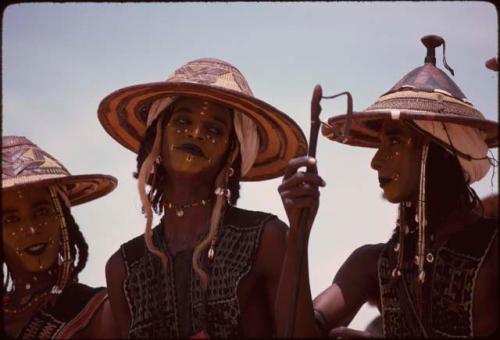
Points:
[(123, 113), (426, 93), (24, 164)]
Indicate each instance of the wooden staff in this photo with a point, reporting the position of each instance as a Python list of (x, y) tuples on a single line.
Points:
[(304, 214)]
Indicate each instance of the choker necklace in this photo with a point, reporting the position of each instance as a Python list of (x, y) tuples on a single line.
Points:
[(179, 208), (32, 299)]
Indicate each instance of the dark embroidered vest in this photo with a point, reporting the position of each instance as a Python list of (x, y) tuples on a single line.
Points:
[(448, 289), (171, 303), (71, 313)]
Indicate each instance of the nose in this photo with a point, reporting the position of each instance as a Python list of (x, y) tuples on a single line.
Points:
[(33, 229), (195, 132), (376, 162)]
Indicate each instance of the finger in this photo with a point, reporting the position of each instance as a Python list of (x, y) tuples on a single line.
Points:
[(348, 333), (298, 162), (301, 192), (299, 178)]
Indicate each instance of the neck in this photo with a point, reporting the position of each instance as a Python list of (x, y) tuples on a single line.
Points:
[(454, 223), (188, 189), (184, 231), (31, 283)]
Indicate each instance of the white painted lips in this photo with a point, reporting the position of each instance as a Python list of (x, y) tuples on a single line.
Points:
[(35, 249)]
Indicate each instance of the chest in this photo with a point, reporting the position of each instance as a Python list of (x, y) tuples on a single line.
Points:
[(172, 301), (447, 297)]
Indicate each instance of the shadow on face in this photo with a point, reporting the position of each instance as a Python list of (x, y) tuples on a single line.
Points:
[(397, 162)]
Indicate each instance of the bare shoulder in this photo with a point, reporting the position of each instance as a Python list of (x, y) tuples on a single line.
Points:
[(274, 231), (362, 260), (272, 246), (115, 267), (102, 324), (115, 275), (367, 252)]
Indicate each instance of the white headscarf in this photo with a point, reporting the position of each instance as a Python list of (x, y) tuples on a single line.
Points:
[(245, 128), (467, 140)]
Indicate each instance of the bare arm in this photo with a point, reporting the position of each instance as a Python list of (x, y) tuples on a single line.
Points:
[(355, 283), (485, 307), (115, 274), (269, 260), (101, 326)]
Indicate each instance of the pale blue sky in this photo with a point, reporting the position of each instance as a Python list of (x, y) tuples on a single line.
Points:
[(60, 60)]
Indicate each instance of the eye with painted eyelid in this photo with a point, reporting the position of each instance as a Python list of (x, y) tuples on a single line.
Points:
[(11, 218), (214, 130), (181, 120), (42, 211)]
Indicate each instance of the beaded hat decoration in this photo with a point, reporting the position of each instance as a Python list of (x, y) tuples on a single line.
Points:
[(25, 164), (429, 99), (435, 106), (126, 113)]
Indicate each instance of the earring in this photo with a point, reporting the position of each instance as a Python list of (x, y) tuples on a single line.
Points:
[(158, 159), (230, 172)]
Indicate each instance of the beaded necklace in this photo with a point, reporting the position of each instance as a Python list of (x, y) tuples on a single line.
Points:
[(179, 208)]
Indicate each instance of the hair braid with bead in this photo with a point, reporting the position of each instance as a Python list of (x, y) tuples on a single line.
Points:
[(155, 197)]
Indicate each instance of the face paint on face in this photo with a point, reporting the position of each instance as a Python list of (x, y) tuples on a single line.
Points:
[(397, 162), (196, 138), (30, 229)]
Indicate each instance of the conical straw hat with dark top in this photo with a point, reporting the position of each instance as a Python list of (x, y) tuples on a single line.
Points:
[(425, 94), (124, 112), (24, 164)]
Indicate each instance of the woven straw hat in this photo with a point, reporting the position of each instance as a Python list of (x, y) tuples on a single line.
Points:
[(124, 112), (24, 164), (424, 94)]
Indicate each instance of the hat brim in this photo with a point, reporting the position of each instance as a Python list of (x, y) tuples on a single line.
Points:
[(123, 115), (365, 126), (80, 188)]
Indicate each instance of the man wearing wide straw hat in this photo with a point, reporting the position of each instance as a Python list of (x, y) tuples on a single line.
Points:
[(208, 268), (44, 248), (437, 275)]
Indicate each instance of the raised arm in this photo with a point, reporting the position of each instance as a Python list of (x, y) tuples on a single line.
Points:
[(115, 274), (299, 190)]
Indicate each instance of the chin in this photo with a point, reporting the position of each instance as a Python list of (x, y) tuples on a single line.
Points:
[(392, 198), (34, 266)]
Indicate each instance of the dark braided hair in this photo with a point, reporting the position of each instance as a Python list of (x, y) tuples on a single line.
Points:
[(160, 176), (77, 242), (446, 187)]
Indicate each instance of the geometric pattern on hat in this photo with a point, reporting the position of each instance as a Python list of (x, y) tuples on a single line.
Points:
[(24, 164), (426, 93), (123, 113)]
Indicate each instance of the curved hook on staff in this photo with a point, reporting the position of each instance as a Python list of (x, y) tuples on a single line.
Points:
[(304, 214), (344, 135)]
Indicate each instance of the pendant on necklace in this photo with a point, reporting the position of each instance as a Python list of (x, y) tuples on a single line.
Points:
[(179, 212), (211, 253)]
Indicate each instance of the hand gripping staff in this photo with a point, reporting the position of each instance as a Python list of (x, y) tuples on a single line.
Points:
[(304, 214)]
